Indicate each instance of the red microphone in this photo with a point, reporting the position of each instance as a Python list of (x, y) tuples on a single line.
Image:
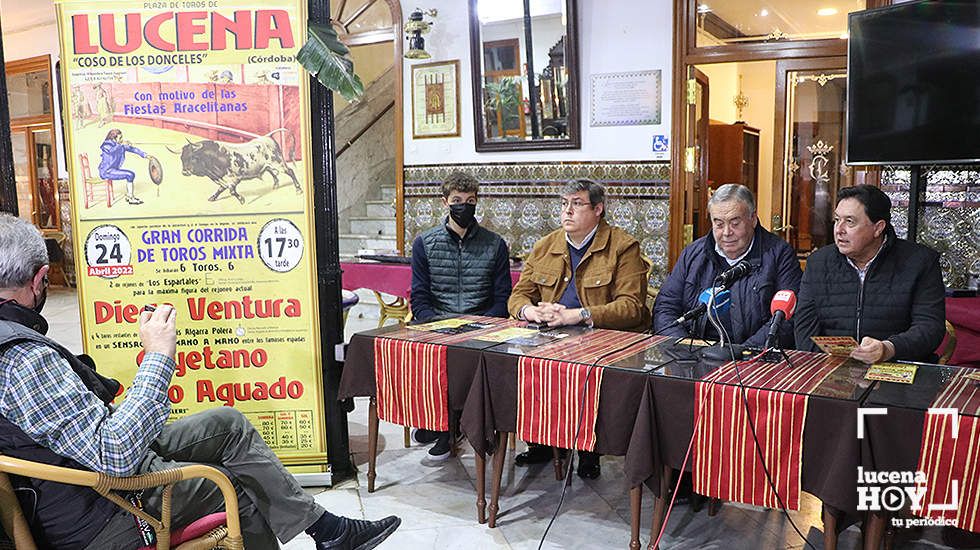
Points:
[(782, 307), (784, 301)]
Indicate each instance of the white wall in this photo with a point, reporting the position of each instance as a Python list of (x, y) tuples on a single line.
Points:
[(722, 79), (32, 42), (614, 36), (759, 85)]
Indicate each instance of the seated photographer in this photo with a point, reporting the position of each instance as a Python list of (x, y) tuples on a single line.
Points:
[(55, 409)]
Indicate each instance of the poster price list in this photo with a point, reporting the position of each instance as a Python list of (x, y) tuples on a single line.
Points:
[(284, 430)]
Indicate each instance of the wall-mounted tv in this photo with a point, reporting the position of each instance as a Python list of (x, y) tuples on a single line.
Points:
[(913, 84)]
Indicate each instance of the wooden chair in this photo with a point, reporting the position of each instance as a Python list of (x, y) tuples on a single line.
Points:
[(210, 532), (91, 182), (53, 241), (949, 345)]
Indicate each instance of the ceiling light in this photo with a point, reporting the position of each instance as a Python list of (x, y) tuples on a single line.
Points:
[(703, 8), (827, 11), (764, 12)]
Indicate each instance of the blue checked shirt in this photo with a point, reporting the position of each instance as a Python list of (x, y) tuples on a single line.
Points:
[(41, 395)]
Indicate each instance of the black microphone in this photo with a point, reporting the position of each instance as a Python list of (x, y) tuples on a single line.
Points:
[(739, 270)]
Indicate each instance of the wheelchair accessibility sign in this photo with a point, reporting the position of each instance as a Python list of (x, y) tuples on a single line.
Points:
[(661, 147)]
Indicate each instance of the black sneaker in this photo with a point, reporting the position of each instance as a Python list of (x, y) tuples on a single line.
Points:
[(359, 534), (536, 454), (588, 465), (439, 452), (133, 200), (424, 437)]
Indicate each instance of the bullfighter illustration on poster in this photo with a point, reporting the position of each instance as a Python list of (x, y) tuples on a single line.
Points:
[(231, 133), (187, 127)]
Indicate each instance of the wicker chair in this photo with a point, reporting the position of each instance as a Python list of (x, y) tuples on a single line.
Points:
[(215, 535), (949, 345)]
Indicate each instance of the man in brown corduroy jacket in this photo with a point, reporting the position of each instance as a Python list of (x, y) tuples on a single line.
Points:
[(586, 273)]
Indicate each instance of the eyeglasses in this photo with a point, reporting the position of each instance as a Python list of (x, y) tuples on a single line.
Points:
[(575, 204)]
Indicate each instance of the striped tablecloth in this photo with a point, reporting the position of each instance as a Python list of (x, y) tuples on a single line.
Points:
[(950, 457), (726, 462), (410, 372), (558, 399)]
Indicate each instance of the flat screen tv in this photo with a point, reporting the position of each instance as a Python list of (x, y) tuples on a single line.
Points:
[(913, 84)]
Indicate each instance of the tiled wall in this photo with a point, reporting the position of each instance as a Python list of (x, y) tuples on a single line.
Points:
[(949, 221), (520, 201)]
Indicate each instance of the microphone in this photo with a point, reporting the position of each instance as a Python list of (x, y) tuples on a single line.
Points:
[(736, 272), (723, 301), (782, 307)]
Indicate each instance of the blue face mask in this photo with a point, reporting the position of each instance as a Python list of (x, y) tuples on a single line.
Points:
[(463, 213)]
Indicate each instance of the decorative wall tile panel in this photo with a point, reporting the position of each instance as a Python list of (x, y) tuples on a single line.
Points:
[(949, 218), (520, 201)]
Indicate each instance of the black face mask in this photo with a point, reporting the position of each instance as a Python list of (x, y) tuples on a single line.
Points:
[(39, 299), (463, 213)]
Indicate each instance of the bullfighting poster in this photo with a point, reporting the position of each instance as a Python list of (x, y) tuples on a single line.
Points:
[(188, 138)]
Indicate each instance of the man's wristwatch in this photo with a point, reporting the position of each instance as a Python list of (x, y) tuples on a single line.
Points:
[(586, 316)]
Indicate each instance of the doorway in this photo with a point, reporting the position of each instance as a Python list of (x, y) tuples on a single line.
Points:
[(31, 104), (775, 109)]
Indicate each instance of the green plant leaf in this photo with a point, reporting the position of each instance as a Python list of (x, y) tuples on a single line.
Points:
[(323, 56)]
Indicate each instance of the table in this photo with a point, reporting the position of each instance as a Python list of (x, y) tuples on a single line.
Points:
[(639, 390), (490, 413), (893, 441), (394, 279), (358, 378), (665, 425)]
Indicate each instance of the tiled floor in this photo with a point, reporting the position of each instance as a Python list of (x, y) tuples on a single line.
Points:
[(438, 505)]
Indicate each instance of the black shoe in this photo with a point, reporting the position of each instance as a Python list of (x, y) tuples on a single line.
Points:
[(359, 534), (535, 454), (133, 200), (588, 465), (424, 437), (439, 452), (685, 493)]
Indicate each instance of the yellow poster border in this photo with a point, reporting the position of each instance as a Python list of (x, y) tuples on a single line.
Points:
[(318, 458)]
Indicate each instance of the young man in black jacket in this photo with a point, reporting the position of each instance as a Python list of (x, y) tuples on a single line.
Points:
[(884, 291)]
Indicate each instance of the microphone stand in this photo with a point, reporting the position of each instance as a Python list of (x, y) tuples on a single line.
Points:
[(691, 338), (720, 353), (775, 355), (774, 352)]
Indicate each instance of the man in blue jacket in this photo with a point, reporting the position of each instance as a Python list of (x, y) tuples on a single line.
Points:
[(458, 267), (735, 235)]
